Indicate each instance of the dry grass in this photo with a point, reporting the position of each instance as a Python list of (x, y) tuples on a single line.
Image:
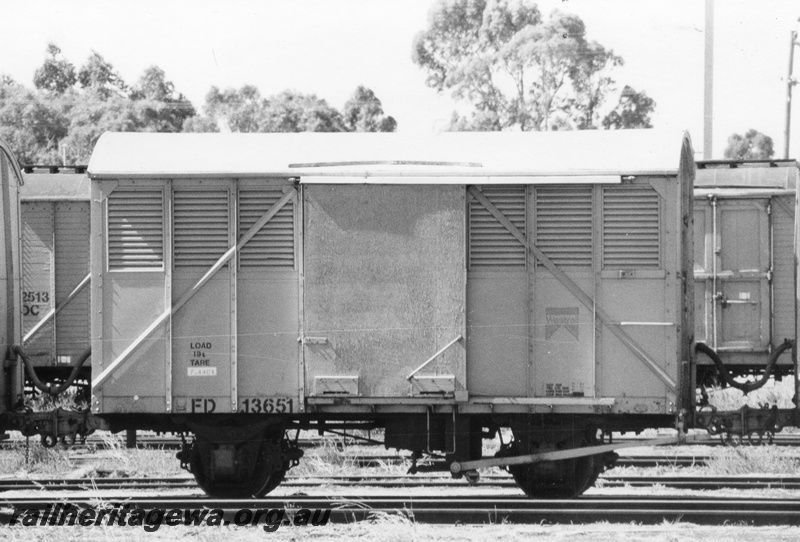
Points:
[(745, 459), (26, 458), (328, 458), (119, 461), (68, 400), (30, 457), (773, 393), (754, 460)]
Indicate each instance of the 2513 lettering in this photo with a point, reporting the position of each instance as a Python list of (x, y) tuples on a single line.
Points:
[(35, 297)]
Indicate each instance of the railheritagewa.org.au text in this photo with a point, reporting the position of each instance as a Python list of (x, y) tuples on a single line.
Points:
[(65, 514)]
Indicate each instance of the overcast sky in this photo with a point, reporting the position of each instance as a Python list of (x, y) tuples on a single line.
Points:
[(328, 47)]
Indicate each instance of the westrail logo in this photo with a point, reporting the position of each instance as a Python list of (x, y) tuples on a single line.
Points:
[(558, 318)]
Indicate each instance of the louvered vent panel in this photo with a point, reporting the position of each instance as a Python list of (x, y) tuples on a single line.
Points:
[(631, 233), (135, 229), (564, 224), (200, 227), (273, 245), (490, 243)]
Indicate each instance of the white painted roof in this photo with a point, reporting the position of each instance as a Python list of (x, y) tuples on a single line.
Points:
[(372, 157), (748, 175), (55, 186)]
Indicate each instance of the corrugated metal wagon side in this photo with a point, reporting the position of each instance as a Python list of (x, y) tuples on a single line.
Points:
[(186, 293), (54, 209), (594, 310)]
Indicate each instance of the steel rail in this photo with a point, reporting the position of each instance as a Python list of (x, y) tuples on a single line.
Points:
[(379, 461), (144, 441), (406, 481), (477, 510)]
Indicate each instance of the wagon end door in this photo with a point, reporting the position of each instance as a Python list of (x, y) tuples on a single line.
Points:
[(741, 289)]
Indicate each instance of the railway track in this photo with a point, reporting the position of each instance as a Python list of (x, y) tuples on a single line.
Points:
[(380, 461), (480, 509), (101, 442), (389, 481), (641, 461), (105, 441), (93, 451)]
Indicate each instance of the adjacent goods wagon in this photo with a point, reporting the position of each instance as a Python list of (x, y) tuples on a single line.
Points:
[(744, 220), (438, 289), (11, 376), (54, 210)]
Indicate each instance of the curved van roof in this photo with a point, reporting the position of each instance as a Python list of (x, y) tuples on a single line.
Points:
[(391, 157)]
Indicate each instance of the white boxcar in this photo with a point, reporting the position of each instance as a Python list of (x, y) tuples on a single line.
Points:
[(437, 287), (374, 265)]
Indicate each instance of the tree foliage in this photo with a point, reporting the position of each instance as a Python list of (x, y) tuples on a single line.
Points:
[(89, 119), (516, 68), (30, 124), (292, 111), (245, 110), (161, 107), (632, 111), (69, 110), (99, 77), (753, 145), (363, 112), (56, 74)]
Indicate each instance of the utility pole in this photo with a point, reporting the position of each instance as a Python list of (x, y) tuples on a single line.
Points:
[(708, 87), (790, 82)]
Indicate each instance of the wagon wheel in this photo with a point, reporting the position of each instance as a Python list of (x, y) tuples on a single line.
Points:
[(274, 481), (246, 470), (563, 479)]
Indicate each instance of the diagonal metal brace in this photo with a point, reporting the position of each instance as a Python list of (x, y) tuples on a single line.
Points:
[(576, 290), (433, 357), (53, 312), (271, 212)]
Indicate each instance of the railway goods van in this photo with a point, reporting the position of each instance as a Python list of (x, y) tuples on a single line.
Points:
[(441, 289), (11, 377), (744, 258), (54, 210)]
